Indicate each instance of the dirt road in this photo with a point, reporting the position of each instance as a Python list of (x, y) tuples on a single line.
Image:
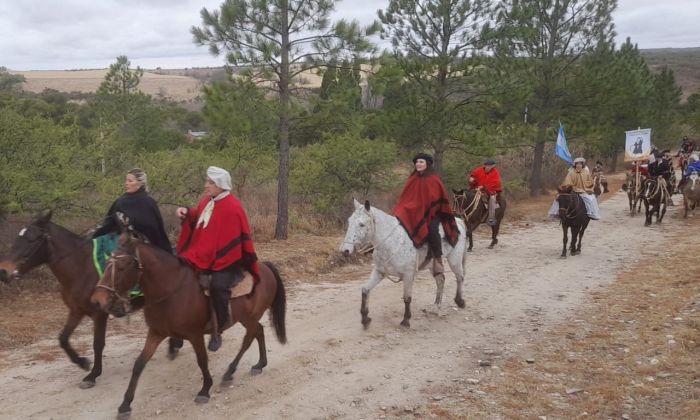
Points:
[(332, 368)]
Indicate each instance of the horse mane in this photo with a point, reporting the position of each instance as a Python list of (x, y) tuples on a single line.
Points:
[(69, 233)]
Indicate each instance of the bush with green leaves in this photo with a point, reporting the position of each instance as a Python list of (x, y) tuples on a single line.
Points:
[(326, 174)]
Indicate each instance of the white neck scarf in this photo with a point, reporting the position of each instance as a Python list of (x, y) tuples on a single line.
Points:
[(209, 209)]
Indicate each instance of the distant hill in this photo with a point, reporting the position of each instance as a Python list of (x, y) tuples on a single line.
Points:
[(685, 63), (175, 87)]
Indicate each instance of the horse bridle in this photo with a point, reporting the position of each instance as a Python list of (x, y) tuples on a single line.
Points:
[(571, 208), (111, 267)]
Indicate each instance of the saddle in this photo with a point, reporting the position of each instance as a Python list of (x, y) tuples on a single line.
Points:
[(242, 288)]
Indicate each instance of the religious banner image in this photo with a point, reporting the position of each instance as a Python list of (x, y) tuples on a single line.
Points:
[(638, 145)]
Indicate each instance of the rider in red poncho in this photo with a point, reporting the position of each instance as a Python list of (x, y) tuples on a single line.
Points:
[(488, 179), (423, 206), (216, 240)]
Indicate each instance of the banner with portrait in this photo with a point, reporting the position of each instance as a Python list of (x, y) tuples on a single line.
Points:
[(637, 144)]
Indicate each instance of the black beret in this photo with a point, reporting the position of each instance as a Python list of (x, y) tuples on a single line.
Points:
[(426, 157)]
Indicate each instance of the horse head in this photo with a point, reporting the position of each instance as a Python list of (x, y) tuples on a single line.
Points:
[(360, 229), (30, 248), (565, 198), (122, 272), (649, 188)]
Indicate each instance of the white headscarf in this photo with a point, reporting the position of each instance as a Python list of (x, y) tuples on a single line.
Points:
[(222, 179), (220, 176)]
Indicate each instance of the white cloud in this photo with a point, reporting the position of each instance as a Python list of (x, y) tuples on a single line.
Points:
[(69, 34)]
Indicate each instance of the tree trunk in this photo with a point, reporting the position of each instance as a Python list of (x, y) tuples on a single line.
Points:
[(537, 158), (281, 228), (613, 164), (439, 155)]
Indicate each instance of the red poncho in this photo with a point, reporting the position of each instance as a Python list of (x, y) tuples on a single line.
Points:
[(490, 181), (225, 241), (423, 198)]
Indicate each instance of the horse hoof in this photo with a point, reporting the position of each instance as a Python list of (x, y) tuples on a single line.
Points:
[(227, 383), (86, 384), (562, 256), (469, 250), (84, 363), (255, 371), (406, 323), (366, 322), (202, 399), (490, 246), (124, 415), (460, 302)]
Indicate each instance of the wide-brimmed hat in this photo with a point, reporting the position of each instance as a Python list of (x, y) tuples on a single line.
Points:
[(579, 160), (489, 162)]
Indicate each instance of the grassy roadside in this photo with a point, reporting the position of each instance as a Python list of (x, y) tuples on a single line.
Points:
[(633, 353)]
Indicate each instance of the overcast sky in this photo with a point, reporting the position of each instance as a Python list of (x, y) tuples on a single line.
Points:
[(73, 34)]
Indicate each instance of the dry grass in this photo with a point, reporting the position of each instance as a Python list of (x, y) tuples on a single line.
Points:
[(615, 357), (179, 88)]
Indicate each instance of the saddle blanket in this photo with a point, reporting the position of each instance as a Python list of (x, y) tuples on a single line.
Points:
[(242, 288)]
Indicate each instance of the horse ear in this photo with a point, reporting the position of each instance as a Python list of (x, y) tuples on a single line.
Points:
[(356, 203), (44, 217), (367, 206)]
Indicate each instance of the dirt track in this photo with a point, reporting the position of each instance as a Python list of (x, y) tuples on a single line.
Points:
[(333, 368)]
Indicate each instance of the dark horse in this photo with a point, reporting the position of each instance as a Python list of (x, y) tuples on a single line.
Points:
[(69, 257), (473, 207), (176, 306), (655, 196), (573, 214)]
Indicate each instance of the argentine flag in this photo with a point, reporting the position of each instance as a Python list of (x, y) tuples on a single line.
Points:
[(562, 149)]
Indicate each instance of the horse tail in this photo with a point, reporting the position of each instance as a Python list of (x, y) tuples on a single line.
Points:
[(278, 309)]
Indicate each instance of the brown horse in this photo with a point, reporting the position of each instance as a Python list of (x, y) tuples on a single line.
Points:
[(176, 306), (634, 192), (69, 257), (472, 207)]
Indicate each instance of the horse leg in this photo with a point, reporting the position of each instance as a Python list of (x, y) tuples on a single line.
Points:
[(72, 322), (494, 233), (685, 206), (580, 238), (99, 322), (374, 278), (574, 237), (566, 239), (203, 362), (251, 332), (471, 240), (152, 342), (407, 291), (458, 270), (662, 208), (174, 346), (647, 214)]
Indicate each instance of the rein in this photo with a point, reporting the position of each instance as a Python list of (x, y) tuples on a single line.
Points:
[(469, 211)]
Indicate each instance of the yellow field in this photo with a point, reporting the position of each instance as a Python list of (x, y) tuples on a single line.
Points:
[(180, 88)]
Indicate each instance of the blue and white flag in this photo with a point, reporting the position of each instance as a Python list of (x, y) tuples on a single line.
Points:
[(562, 149)]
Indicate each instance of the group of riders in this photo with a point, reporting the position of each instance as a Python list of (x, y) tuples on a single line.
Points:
[(660, 166), (216, 239)]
